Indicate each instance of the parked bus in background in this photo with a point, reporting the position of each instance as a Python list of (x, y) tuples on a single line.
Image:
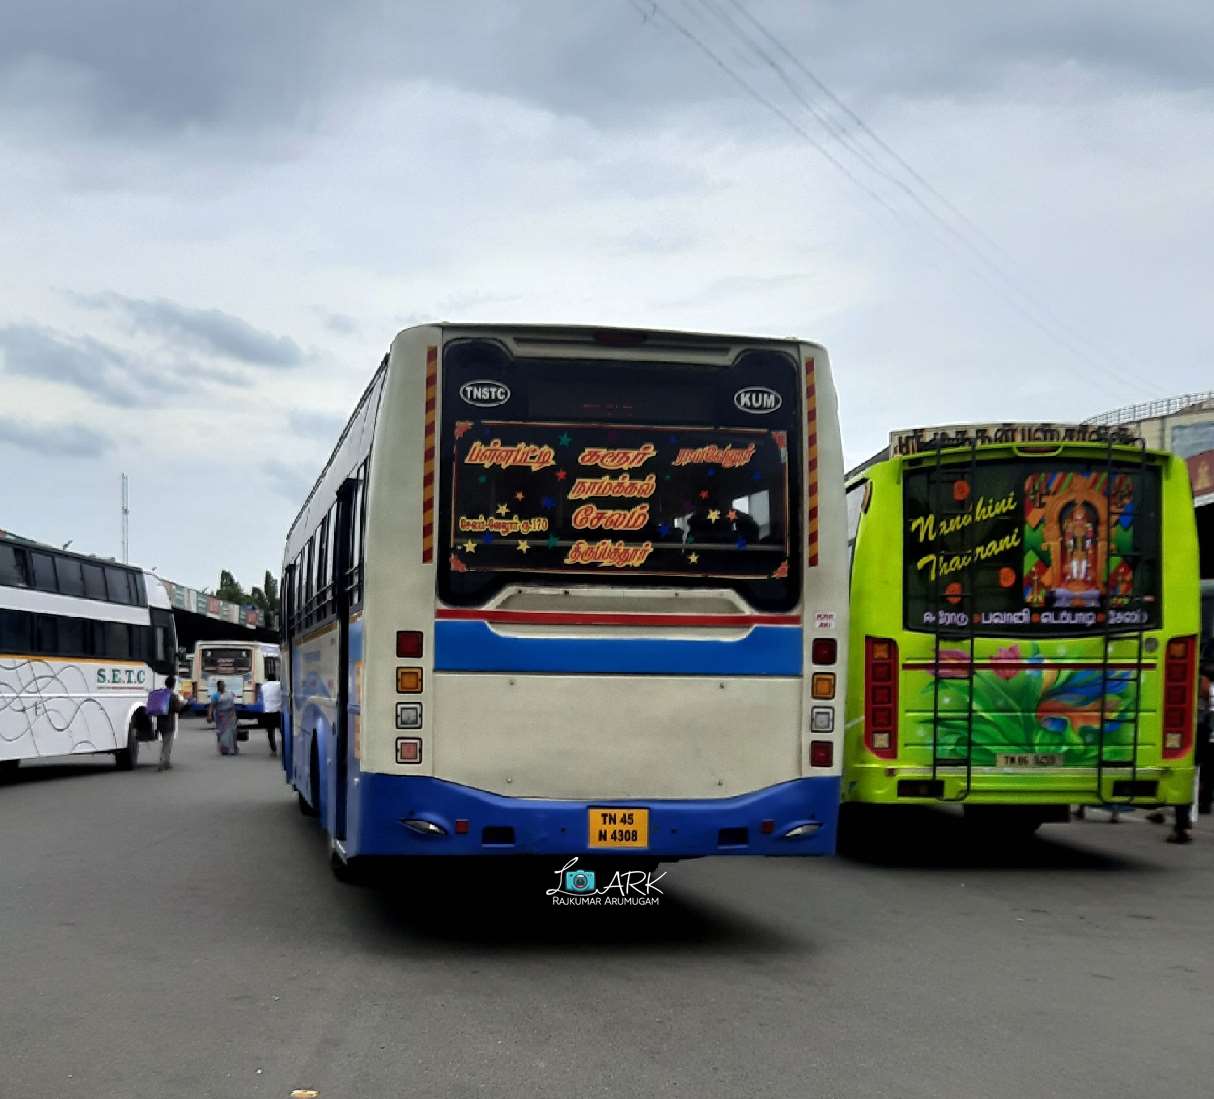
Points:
[(82, 642), (573, 591), (1024, 623), (243, 667)]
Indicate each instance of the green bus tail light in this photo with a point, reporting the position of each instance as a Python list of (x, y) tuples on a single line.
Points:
[(1179, 686), (881, 697)]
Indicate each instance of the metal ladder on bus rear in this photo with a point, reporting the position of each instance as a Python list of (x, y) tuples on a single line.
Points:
[(935, 481), (1109, 635)]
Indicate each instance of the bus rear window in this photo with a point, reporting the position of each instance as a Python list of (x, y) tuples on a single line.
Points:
[(226, 661), (1031, 547), (620, 473)]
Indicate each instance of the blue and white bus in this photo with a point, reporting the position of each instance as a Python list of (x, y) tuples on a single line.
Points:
[(82, 642), (571, 591)]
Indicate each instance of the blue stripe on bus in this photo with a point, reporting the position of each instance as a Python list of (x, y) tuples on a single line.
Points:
[(461, 646)]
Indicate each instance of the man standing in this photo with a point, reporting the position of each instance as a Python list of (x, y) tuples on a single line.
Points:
[(166, 724), (271, 704)]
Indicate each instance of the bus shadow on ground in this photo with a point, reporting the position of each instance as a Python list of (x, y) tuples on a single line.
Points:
[(33, 771), (505, 906), (925, 838)]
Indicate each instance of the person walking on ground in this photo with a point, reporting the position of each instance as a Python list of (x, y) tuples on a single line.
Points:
[(166, 724), (271, 704), (222, 711)]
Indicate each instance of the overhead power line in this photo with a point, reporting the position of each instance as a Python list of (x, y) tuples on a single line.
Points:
[(958, 237)]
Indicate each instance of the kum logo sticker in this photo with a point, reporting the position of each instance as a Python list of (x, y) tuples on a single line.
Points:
[(757, 399)]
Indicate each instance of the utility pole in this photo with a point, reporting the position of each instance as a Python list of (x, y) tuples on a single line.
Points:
[(126, 511)]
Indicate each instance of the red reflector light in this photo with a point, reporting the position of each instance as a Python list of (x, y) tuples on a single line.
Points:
[(461, 827), (881, 697), (409, 644), (825, 650), (767, 827), (1180, 694), (821, 753)]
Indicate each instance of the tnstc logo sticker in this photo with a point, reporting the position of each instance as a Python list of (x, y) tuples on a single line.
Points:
[(484, 394), (757, 399)]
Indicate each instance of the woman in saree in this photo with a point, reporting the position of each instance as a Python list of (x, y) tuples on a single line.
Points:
[(223, 713)]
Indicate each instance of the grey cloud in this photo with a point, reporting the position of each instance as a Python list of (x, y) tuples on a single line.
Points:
[(112, 376), (248, 67), (211, 331), (312, 423), (340, 323), (53, 440), (292, 481)]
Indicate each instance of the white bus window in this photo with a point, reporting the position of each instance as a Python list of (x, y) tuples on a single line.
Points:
[(14, 631), (71, 636), (94, 581), (43, 571), (118, 585), (71, 579), (14, 566), (46, 635)]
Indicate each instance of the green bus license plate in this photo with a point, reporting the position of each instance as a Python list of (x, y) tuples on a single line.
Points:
[(619, 828), (1029, 759)]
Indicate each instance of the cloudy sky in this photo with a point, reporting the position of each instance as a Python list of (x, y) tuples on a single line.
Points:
[(217, 215)]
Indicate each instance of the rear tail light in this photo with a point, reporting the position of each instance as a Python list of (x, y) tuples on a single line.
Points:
[(881, 697), (822, 686), (408, 749), (825, 650), (1180, 682), (821, 753), (409, 644)]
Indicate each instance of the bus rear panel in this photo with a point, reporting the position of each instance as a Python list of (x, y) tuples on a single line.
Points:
[(1018, 639), (598, 601)]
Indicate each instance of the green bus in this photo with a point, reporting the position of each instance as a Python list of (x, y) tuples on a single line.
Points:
[(1024, 623)]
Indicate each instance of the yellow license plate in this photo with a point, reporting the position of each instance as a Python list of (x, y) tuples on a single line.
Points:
[(619, 827)]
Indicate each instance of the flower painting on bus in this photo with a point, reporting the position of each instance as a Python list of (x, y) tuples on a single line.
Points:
[(1031, 548), (564, 497), (1025, 706)]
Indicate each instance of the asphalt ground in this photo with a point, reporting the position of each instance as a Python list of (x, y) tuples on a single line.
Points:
[(181, 934)]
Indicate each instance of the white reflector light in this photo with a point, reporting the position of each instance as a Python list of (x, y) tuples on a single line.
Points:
[(822, 719), (425, 827), (408, 715)]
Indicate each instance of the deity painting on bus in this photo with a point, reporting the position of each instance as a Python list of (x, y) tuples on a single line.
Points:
[(1066, 517)]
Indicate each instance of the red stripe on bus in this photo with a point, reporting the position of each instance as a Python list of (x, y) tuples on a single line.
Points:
[(604, 618)]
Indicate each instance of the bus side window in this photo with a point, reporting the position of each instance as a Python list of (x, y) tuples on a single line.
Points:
[(71, 579), (46, 635), (44, 571), (354, 580), (857, 500), (15, 629), (71, 636), (14, 567), (322, 568), (309, 580), (94, 581)]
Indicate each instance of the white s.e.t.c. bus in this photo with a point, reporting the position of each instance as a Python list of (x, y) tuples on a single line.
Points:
[(573, 591), (82, 642)]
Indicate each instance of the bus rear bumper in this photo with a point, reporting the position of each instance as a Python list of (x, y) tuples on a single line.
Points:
[(498, 825), (1147, 786)]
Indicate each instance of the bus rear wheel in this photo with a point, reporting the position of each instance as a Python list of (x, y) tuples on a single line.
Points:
[(127, 758)]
